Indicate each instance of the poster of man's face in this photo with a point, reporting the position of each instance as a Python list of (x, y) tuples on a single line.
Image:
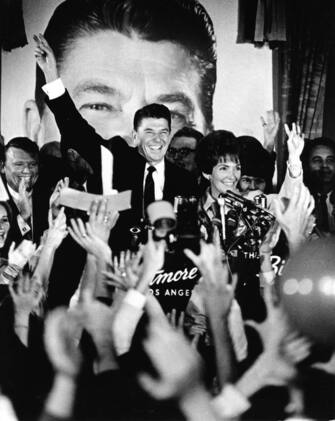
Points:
[(115, 56)]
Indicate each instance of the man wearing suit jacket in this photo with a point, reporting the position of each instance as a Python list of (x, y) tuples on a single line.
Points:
[(20, 177), (151, 134)]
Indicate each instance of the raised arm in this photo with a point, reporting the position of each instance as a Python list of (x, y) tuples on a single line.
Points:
[(75, 131), (53, 239), (60, 342), (295, 146), (218, 297), (178, 370)]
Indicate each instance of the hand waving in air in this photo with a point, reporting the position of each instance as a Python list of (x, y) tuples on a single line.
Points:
[(295, 142), (45, 58)]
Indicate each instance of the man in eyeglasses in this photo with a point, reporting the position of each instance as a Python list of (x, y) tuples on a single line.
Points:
[(182, 149)]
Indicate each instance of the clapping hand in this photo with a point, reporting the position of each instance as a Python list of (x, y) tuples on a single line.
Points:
[(24, 200)]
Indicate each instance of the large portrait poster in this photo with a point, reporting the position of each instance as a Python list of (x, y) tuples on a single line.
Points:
[(110, 71), (115, 56)]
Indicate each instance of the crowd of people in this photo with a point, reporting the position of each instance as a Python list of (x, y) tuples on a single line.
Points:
[(170, 307)]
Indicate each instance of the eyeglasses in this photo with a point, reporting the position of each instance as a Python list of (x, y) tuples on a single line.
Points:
[(250, 180), (182, 152)]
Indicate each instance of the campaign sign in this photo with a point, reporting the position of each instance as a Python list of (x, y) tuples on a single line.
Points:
[(173, 284)]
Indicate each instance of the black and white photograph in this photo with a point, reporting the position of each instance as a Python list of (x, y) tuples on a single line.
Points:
[(167, 210)]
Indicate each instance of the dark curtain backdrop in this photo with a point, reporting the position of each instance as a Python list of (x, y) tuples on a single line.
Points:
[(261, 22), (12, 31), (300, 63)]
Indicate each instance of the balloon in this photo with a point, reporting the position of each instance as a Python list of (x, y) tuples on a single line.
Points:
[(308, 290)]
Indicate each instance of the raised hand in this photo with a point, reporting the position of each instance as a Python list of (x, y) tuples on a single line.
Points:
[(296, 347), (270, 129), (57, 229), (295, 142), (273, 367), (125, 271), (275, 328), (101, 219), (20, 255), (295, 219), (215, 288), (176, 322), (84, 236), (45, 58), (26, 295), (270, 240), (61, 331), (97, 320), (176, 363), (54, 198)]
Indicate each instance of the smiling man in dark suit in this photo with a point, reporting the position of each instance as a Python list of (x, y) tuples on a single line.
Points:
[(144, 169), (26, 197)]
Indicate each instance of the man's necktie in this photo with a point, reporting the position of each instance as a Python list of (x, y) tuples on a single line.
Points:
[(149, 189), (322, 212)]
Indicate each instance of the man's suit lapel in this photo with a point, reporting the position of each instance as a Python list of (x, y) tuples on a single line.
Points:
[(137, 172)]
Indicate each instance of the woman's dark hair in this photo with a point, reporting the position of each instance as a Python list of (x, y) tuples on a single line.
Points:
[(5, 248), (256, 161), (215, 146), (9, 210)]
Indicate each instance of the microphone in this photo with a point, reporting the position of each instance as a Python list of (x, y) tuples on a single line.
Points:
[(222, 204), (241, 201)]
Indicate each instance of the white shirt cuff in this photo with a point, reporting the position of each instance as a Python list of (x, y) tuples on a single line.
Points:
[(124, 326), (24, 227), (230, 403), (54, 89)]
